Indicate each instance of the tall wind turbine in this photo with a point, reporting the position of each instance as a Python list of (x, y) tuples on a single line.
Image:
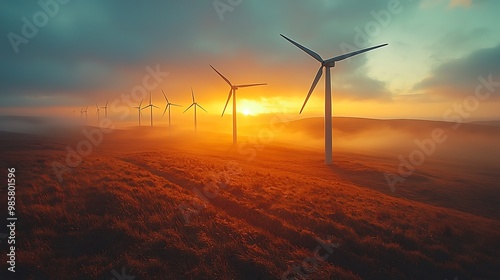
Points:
[(168, 106), (105, 107), (195, 105), (139, 108), (98, 116), (232, 92), (327, 64), (151, 106)]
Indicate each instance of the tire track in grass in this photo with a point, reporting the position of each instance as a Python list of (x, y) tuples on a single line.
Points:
[(347, 257), (228, 204)]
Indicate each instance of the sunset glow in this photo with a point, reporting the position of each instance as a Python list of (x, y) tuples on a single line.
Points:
[(243, 139)]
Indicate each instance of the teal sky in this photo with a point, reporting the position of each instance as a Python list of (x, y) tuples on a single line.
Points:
[(91, 51)]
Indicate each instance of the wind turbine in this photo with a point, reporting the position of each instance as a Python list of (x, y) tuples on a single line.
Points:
[(151, 105), (327, 64), (232, 92), (168, 106), (105, 107), (97, 114), (195, 105), (140, 113), (85, 111)]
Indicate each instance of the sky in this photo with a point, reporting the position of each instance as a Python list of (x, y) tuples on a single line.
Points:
[(59, 56)]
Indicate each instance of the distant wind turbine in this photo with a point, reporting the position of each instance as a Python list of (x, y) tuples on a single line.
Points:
[(97, 113), (151, 106), (139, 108), (85, 111), (327, 64), (232, 92), (105, 107), (168, 106), (195, 105)]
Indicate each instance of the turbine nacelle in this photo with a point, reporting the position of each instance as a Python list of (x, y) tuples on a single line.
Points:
[(328, 64)]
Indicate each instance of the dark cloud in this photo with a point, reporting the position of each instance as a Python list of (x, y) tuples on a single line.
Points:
[(85, 47), (459, 77)]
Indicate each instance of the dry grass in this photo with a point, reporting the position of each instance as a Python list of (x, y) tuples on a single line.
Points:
[(120, 208)]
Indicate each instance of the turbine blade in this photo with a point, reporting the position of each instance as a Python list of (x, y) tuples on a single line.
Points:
[(228, 98), (164, 95), (251, 85), (201, 107), (150, 98), (141, 102), (222, 76), (308, 51), (188, 108), (347, 55), (166, 107), (192, 93), (155, 106), (315, 82), (171, 104)]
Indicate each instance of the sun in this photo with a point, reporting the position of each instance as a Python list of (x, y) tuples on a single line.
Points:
[(246, 112)]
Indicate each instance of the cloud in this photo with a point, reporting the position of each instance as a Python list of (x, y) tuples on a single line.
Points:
[(460, 3), (459, 77)]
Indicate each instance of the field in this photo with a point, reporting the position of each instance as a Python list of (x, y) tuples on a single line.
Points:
[(156, 205)]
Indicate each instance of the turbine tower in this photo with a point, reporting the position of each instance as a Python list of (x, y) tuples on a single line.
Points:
[(232, 92), (85, 111), (151, 106), (168, 106), (327, 64), (140, 113), (98, 116), (105, 107), (195, 105)]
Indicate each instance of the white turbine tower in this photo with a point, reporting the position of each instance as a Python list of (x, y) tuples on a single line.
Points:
[(139, 108), (151, 106), (232, 92), (327, 64), (195, 105), (105, 107), (168, 106)]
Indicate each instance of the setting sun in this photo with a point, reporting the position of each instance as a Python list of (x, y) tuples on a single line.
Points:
[(232, 139)]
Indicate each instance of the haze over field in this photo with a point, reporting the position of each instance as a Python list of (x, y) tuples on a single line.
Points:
[(183, 140)]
